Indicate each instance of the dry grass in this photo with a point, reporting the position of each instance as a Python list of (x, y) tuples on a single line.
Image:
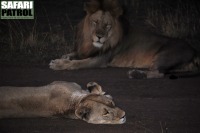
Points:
[(171, 18), (25, 42), (179, 21)]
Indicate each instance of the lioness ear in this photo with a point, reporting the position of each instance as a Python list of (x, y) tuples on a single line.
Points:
[(91, 6), (83, 113), (95, 88)]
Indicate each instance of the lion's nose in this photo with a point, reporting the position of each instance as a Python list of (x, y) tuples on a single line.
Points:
[(99, 36)]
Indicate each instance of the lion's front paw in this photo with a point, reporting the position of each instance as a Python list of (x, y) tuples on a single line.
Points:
[(66, 56), (56, 64), (61, 64), (69, 56)]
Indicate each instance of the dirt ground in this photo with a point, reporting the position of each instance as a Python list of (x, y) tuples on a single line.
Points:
[(152, 106)]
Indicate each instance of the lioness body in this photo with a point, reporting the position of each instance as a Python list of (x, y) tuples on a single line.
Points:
[(102, 41), (59, 99), (44, 101)]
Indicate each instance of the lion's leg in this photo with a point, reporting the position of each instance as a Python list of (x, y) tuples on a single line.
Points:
[(145, 74), (169, 58), (62, 64)]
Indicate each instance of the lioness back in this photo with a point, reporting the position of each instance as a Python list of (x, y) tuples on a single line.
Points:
[(63, 99)]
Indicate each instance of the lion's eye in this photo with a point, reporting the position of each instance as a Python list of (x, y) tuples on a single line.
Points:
[(94, 23), (108, 26)]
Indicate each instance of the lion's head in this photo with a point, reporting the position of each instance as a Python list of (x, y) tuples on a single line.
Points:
[(100, 29), (98, 108)]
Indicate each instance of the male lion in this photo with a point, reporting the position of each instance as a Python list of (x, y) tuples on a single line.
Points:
[(60, 99), (102, 41)]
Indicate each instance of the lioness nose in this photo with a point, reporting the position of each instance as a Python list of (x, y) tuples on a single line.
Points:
[(123, 119), (123, 116), (121, 113)]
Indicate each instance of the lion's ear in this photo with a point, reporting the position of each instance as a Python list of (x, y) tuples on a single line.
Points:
[(83, 112), (92, 6), (117, 12), (95, 88), (114, 7)]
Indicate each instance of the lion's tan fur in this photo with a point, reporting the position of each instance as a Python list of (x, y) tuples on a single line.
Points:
[(103, 40), (84, 40), (59, 99)]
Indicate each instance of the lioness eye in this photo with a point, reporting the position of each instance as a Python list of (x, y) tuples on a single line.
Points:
[(105, 112), (111, 103)]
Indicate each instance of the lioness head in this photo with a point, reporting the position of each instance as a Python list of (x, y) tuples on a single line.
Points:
[(102, 23), (98, 108)]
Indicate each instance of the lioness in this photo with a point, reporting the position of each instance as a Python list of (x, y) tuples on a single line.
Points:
[(102, 41), (61, 99)]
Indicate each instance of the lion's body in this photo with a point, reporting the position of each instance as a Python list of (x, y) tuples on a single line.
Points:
[(151, 51), (57, 99), (102, 41)]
